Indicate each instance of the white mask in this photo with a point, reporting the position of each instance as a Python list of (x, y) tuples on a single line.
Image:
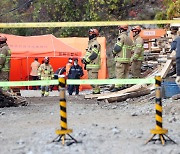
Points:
[(75, 63)]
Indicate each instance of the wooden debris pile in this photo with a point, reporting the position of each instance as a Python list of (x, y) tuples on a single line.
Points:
[(156, 62)]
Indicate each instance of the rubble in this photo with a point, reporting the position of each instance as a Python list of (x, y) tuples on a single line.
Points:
[(8, 99)]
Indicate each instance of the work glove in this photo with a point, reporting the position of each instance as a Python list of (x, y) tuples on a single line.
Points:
[(178, 80)]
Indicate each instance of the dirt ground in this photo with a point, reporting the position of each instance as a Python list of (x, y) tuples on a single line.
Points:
[(103, 128)]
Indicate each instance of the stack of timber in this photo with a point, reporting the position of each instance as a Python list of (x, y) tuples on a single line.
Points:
[(136, 90)]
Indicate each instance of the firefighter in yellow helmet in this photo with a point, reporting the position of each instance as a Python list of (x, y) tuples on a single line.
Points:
[(92, 58), (5, 55), (45, 72), (122, 55), (138, 52)]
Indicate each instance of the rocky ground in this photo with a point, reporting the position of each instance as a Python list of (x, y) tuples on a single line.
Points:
[(103, 128)]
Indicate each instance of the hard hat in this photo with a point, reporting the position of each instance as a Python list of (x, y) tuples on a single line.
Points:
[(136, 29), (3, 38), (94, 31), (124, 27)]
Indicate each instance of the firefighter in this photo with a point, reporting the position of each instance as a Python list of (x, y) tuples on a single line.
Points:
[(45, 72), (7, 97), (5, 55), (122, 55), (138, 52), (92, 58), (75, 72)]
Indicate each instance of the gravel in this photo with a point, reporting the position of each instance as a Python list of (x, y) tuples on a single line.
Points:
[(121, 127)]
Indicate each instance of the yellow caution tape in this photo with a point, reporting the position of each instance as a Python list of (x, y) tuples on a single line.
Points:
[(77, 82), (28, 83), (85, 23), (110, 81)]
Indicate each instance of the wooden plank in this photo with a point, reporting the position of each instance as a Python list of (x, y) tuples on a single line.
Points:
[(133, 88), (141, 92), (119, 93)]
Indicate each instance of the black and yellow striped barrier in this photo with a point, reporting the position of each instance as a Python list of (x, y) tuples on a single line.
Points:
[(159, 122), (63, 115)]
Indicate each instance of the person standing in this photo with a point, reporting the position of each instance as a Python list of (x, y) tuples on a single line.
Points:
[(138, 52), (45, 72), (75, 72), (68, 65), (5, 56), (174, 32), (34, 71), (122, 54), (175, 45), (92, 59)]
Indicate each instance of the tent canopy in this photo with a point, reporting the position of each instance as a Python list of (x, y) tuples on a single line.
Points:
[(44, 45)]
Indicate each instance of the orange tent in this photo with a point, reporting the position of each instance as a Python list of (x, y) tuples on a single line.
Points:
[(25, 49)]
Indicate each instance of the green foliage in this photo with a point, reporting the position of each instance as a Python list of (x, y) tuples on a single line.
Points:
[(71, 10), (174, 10)]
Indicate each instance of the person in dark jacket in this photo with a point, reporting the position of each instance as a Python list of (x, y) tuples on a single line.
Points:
[(75, 72), (175, 45)]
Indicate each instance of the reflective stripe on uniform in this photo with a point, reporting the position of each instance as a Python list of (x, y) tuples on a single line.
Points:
[(122, 59), (92, 66), (5, 69), (119, 44), (139, 45), (141, 55), (127, 46), (88, 60), (124, 54), (95, 50), (2, 55)]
